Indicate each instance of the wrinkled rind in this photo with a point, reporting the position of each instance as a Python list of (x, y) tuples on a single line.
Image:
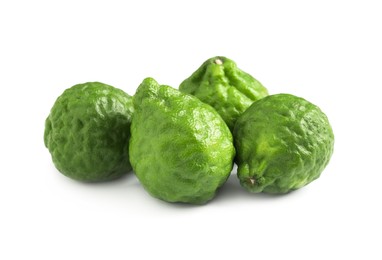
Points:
[(283, 143), (225, 87), (181, 150), (88, 130)]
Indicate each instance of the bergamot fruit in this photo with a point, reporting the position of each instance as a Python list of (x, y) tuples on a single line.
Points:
[(221, 84), (180, 149), (88, 130), (283, 143)]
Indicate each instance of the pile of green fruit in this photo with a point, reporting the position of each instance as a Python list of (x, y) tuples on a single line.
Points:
[(182, 144)]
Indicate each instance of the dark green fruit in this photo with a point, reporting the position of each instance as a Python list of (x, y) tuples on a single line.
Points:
[(181, 150), (88, 130), (283, 143), (221, 84)]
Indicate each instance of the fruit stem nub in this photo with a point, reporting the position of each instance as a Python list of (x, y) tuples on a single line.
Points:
[(218, 61), (252, 181)]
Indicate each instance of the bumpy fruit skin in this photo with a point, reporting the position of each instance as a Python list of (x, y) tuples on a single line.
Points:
[(181, 150), (221, 84), (88, 130), (283, 143)]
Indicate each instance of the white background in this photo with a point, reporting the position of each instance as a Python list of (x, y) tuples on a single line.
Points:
[(328, 52)]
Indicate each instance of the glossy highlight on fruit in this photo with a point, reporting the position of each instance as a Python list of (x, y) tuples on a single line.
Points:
[(221, 84), (88, 130), (181, 150), (283, 143)]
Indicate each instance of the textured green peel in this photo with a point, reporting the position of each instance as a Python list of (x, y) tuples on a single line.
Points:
[(88, 130), (283, 143), (181, 150), (221, 84)]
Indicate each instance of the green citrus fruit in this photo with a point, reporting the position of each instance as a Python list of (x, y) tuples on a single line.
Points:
[(88, 130), (180, 148), (283, 143), (221, 84)]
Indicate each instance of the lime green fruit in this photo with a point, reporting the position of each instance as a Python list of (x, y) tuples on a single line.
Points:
[(221, 84), (283, 143), (180, 148), (88, 130)]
